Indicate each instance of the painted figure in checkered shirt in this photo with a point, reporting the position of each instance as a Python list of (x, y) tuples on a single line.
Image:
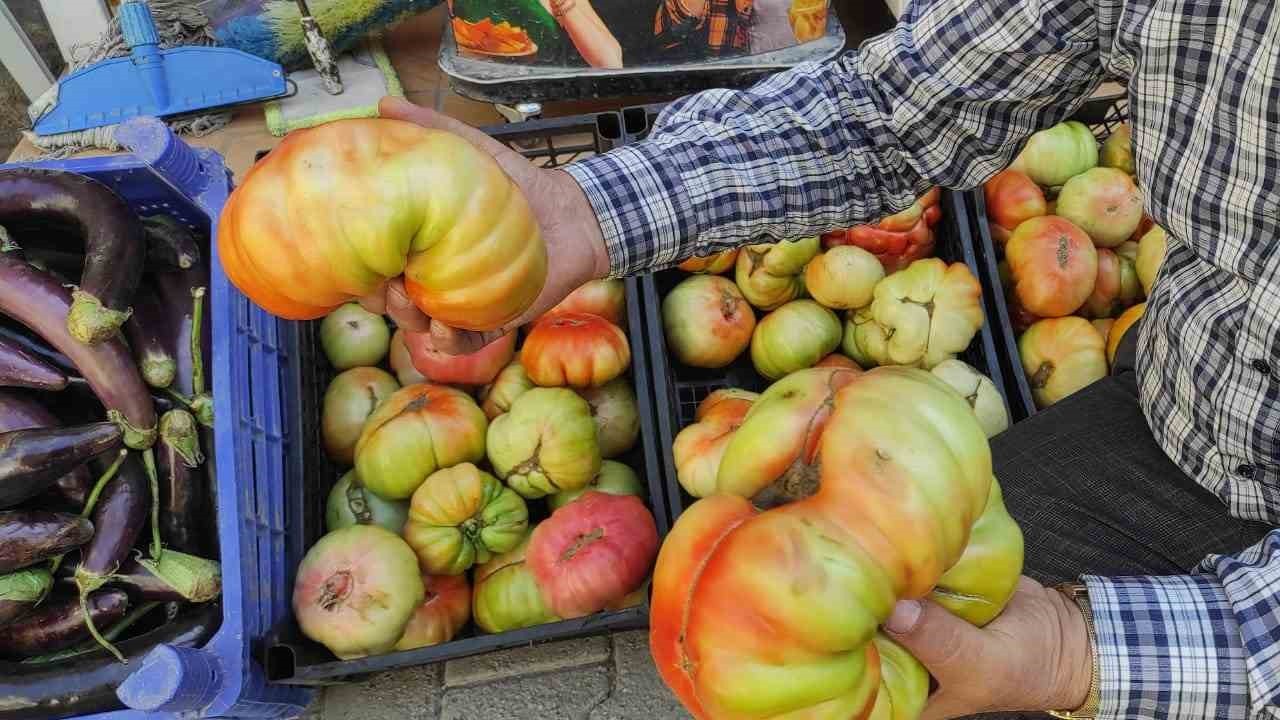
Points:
[(1158, 488)]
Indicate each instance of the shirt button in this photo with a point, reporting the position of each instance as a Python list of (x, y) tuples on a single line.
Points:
[(1245, 471), (1262, 366)]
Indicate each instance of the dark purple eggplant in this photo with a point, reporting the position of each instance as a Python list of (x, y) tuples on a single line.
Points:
[(19, 411), (171, 245), (114, 244), (58, 624), (38, 301), (152, 337), (21, 591), (118, 519), (19, 368), (182, 495), (32, 460), (140, 583), (18, 334), (29, 536), (176, 290), (87, 684)]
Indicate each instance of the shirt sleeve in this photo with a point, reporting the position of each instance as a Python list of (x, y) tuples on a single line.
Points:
[(946, 98), (1194, 646)]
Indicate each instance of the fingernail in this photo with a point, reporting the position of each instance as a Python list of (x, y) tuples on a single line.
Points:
[(904, 617)]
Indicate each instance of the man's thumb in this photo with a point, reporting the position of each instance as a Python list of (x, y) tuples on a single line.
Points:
[(934, 636)]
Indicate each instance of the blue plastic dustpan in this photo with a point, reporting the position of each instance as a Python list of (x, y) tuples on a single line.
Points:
[(157, 82)]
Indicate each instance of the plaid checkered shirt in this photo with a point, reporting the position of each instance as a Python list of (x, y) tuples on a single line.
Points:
[(948, 98)]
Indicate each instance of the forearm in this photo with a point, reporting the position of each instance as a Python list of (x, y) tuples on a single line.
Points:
[(591, 37), (826, 146)]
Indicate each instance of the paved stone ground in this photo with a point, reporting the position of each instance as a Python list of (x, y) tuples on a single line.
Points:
[(598, 678)]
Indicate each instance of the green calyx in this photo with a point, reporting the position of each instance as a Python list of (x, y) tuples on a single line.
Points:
[(178, 430), (91, 322), (195, 578), (134, 437), (29, 585)]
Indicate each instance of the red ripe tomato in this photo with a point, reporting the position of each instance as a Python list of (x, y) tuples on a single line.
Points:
[(441, 615), (897, 240), (576, 350), (478, 368), (592, 552)]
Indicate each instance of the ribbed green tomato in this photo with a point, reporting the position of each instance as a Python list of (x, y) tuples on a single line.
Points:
[(462, 516), (546, 444), (413, 433), (505, 595)]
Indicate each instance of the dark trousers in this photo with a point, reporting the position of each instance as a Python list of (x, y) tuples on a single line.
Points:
[(1096, 495)]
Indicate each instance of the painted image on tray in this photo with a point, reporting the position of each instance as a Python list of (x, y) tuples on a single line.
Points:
[(629, 33)]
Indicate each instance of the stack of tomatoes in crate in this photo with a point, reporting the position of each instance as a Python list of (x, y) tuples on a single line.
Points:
[(854, 299), (1079, 255)]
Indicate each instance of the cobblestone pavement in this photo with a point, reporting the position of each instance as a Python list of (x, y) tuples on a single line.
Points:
[(598, 678)]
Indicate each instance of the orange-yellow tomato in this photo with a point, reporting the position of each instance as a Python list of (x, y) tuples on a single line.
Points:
[(335, 211), (576, 350)]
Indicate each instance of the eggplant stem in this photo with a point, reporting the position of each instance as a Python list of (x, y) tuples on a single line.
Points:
[(197, 324), (111, 634), (149, 460), (134, 437), (91, 501), (93, 629), (178, 397)]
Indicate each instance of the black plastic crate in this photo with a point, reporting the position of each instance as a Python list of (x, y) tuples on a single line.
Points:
[(1103, 115), (679, 388), (288, 656)]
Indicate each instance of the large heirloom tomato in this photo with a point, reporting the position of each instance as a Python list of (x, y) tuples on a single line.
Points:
[(546, 444), (1012, 199), (606, 298), (356, 590), (1055, 155), (979, 391), (699, 448), (413, 433), (1061, 356), (441, 615), (717, 264), (477, 368), (348, 401), (898, 240), (1104, 203), (793, 337), (920, 316), (592, 552), (707, 321), (772, 274), (506, 595), (462, 516), (844, 277), (575, 349), (1054, 266), (869, 488), (335, 211)]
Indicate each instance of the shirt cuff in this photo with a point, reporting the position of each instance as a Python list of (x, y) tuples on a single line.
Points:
[(644, 214), (1167, 647)]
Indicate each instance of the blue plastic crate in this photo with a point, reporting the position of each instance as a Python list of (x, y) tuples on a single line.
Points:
[(253, 432)]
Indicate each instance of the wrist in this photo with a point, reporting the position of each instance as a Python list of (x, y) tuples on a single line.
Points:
[(1077, 680), (581, 217)]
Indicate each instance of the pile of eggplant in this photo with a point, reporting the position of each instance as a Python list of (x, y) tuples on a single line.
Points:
[(108, 539)]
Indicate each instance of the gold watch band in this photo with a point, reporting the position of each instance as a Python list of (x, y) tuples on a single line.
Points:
[(1089, 710)]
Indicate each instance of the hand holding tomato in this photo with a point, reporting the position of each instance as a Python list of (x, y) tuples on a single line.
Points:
[(1034, 656), (575, 247)]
